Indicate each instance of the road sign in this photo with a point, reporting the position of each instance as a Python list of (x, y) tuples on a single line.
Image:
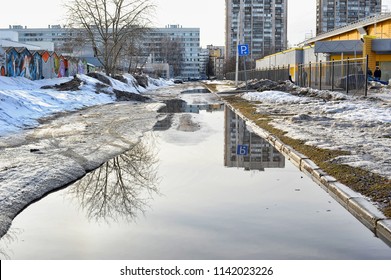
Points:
[(242, 150), (243, 50)]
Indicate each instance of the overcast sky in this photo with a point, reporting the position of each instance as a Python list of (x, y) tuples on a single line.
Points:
[(208, 15)]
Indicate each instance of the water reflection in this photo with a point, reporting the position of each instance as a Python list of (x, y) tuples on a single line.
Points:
[(10, 237), (197, 90), (121, 187), (245, 149), (180, 106)]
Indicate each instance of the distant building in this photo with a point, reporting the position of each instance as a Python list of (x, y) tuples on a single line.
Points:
[(263, 25), (216, 61), (156, 46), (177, 46), (204, 61), (57, 36), (334, 14)]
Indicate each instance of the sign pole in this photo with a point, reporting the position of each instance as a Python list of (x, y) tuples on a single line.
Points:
[(245, 72), (238, 43)]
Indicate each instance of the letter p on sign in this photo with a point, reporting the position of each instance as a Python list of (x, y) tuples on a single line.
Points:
[(243, 50)]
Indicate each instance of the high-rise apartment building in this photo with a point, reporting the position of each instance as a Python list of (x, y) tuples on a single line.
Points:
[(263, 26), (331, 14)]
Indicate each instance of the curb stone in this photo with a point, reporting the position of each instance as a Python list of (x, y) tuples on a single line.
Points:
[(354, 202)]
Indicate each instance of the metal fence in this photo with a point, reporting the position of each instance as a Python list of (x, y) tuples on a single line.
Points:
[(347, 76), (273, 73)]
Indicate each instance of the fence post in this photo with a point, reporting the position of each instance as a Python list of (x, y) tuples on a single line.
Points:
[(366, 78), (300, 75), (310, 75), (320, 75), (347, 76), (332, 75)]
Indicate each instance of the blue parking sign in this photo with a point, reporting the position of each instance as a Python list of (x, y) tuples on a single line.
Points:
[(242, 150), (243, 50)]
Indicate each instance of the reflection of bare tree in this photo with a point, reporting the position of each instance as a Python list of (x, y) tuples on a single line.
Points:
[(121, 187), (10, 237)]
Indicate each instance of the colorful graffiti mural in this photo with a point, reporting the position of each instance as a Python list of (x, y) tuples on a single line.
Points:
[(20, 62), (47, 65), (2, 62)]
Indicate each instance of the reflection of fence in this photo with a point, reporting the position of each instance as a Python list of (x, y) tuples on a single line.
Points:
[(348, 76), (274, 74)]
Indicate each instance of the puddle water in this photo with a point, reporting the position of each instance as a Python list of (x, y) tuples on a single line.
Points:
[(219, 192), (197, 90)]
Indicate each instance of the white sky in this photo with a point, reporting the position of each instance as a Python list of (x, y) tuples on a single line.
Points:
[(209, 15)]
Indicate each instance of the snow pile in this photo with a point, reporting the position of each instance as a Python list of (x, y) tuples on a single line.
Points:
[(333, 120), (23, 102), (275, 97)]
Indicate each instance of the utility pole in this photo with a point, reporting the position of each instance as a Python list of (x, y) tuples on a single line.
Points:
[(238, 37)]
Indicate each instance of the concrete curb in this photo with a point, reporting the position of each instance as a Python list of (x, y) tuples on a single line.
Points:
[(354, 202)]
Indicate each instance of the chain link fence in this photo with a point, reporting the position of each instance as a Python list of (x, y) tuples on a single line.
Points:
[(347, 76)]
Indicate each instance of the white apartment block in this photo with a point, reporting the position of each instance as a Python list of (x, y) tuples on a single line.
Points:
[(189, 41)]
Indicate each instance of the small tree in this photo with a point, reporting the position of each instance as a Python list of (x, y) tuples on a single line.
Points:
[(109, 24), (172, 52)]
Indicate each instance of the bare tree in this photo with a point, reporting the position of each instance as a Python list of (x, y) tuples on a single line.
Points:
[(172, 52), (109, 24)]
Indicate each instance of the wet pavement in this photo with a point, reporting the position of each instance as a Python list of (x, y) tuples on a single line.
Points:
[(199, 185)]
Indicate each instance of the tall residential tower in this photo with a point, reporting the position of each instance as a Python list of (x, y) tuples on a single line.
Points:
[(263, 26), (331, 14)]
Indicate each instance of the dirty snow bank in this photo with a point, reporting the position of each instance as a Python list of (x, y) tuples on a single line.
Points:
[(54, 154), (23, 102), (333, 120)]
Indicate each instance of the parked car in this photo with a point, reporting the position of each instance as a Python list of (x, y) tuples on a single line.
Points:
[(354, 81), (178, 81)]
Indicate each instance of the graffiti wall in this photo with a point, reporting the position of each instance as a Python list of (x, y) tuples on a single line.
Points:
[(36, 66), (2, 62), (47, 65), (77, 66), (20, 62)]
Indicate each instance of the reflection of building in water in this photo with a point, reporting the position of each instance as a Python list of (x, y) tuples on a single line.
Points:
[(261, 154), (195, 108)]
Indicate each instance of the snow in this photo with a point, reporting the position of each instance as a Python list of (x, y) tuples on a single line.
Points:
[(23, 102), (35, 162), (333, 120)]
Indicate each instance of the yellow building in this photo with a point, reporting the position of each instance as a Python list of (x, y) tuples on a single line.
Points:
[(369, 37)]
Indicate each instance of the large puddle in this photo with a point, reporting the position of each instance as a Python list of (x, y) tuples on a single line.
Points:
[(219, 192)]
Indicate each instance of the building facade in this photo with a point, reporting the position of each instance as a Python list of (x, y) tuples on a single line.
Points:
[(331, 14), (177, 46), (55, 34), (216, 61), (263, 26), (173, 44)]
